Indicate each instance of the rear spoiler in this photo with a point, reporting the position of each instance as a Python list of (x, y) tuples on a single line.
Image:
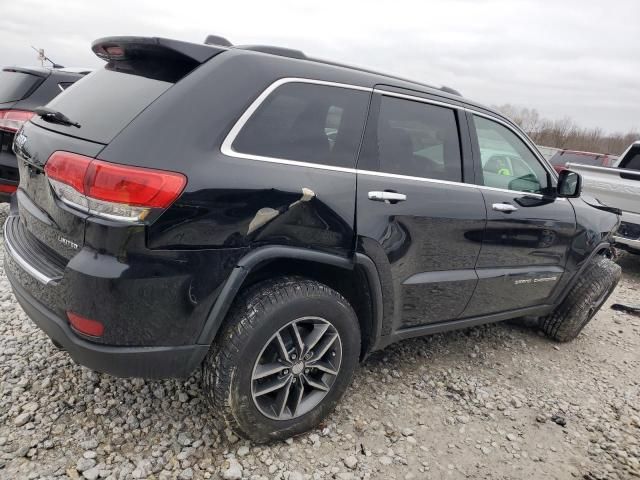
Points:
[(37, 71), (113, 49)]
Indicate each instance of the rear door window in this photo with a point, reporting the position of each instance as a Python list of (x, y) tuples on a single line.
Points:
[(15, 86), (416, 139), (103, 103), (306, 122)]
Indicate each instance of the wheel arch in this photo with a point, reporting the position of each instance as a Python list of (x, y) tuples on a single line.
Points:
[(603, 249), (355, 278)]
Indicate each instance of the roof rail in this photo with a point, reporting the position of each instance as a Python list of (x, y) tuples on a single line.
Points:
[(217, 40), (300, 55), (450, 90), (280, 51)]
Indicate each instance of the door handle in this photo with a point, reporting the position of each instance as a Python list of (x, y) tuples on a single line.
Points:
[(387, 197), (504, 207)]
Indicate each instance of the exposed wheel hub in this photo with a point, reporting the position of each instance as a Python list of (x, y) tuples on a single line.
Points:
[(296, 368)]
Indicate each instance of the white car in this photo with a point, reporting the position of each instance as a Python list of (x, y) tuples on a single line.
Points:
[(618, 187)]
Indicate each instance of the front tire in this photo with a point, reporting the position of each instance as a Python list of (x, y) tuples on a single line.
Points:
[(592, 289), (284, 358)]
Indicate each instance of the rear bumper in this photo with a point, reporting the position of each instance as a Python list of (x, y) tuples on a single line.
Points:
[(146, 362)]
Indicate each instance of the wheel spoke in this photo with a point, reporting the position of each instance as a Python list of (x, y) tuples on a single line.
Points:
[(315, 335), (267, 369), (325, 367), (317, 384), (298, 398), (270, 386), (324, 346), (282, 349), (298, 339), (282, 398)]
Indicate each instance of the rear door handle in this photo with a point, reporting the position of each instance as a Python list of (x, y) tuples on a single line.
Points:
[(504, 207), (387, 197)]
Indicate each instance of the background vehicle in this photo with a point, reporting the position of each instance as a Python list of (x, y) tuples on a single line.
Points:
[(618, 187), (21, 90), (561, 158), (201, 210), (548, 152)]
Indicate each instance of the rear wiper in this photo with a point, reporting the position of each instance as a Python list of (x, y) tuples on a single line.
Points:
[(53, 116)]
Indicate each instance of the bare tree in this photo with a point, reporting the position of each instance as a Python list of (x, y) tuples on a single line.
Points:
[(565, 133)]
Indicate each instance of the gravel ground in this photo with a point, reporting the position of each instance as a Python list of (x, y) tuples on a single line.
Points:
[(497, 401)]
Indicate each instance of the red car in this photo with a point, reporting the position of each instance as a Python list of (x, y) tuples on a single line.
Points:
[(561, 158)]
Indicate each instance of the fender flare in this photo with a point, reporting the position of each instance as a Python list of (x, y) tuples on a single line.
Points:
[(254, 258), (570, 284)]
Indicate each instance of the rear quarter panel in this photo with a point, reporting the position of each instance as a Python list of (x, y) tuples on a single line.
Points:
[(235, 202)]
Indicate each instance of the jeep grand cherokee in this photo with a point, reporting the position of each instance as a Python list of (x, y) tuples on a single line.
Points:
[(275, 218)]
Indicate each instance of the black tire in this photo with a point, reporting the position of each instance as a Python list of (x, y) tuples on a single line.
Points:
[(590, 292), (257, 315)]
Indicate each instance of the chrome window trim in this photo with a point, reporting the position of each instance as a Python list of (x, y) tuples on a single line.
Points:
[(419, 99), (24, 264), (227, 149), (449, 182)]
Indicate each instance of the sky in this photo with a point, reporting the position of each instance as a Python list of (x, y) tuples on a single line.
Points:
[(575, 58)]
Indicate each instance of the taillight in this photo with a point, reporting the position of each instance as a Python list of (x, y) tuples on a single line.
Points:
[(85, 325), (12, 120), (110, 190)]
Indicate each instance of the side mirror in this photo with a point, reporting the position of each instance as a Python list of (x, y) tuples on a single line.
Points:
[(569, 184)]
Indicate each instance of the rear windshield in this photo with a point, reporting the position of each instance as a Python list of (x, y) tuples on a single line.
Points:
[(15, 85), (596, 160), (103, 103)]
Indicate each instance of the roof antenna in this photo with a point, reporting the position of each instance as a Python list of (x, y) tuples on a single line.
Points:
[(43, 58)]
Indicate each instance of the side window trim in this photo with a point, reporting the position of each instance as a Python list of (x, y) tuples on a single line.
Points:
[(227, 144)]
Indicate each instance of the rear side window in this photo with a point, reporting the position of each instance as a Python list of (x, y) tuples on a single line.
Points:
[(16, 85), (103, 103), (415, 139), (308, 123)]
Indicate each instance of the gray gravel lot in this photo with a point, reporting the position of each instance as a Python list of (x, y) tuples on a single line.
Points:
[(476, 403)]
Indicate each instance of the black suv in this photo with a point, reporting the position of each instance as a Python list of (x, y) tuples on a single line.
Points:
[(21, 90), (275, 218)]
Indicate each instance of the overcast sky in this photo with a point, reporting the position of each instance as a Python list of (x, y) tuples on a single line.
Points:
[(577, 58)]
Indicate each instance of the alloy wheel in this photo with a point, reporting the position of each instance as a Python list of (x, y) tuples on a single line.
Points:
[(296, 368)]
